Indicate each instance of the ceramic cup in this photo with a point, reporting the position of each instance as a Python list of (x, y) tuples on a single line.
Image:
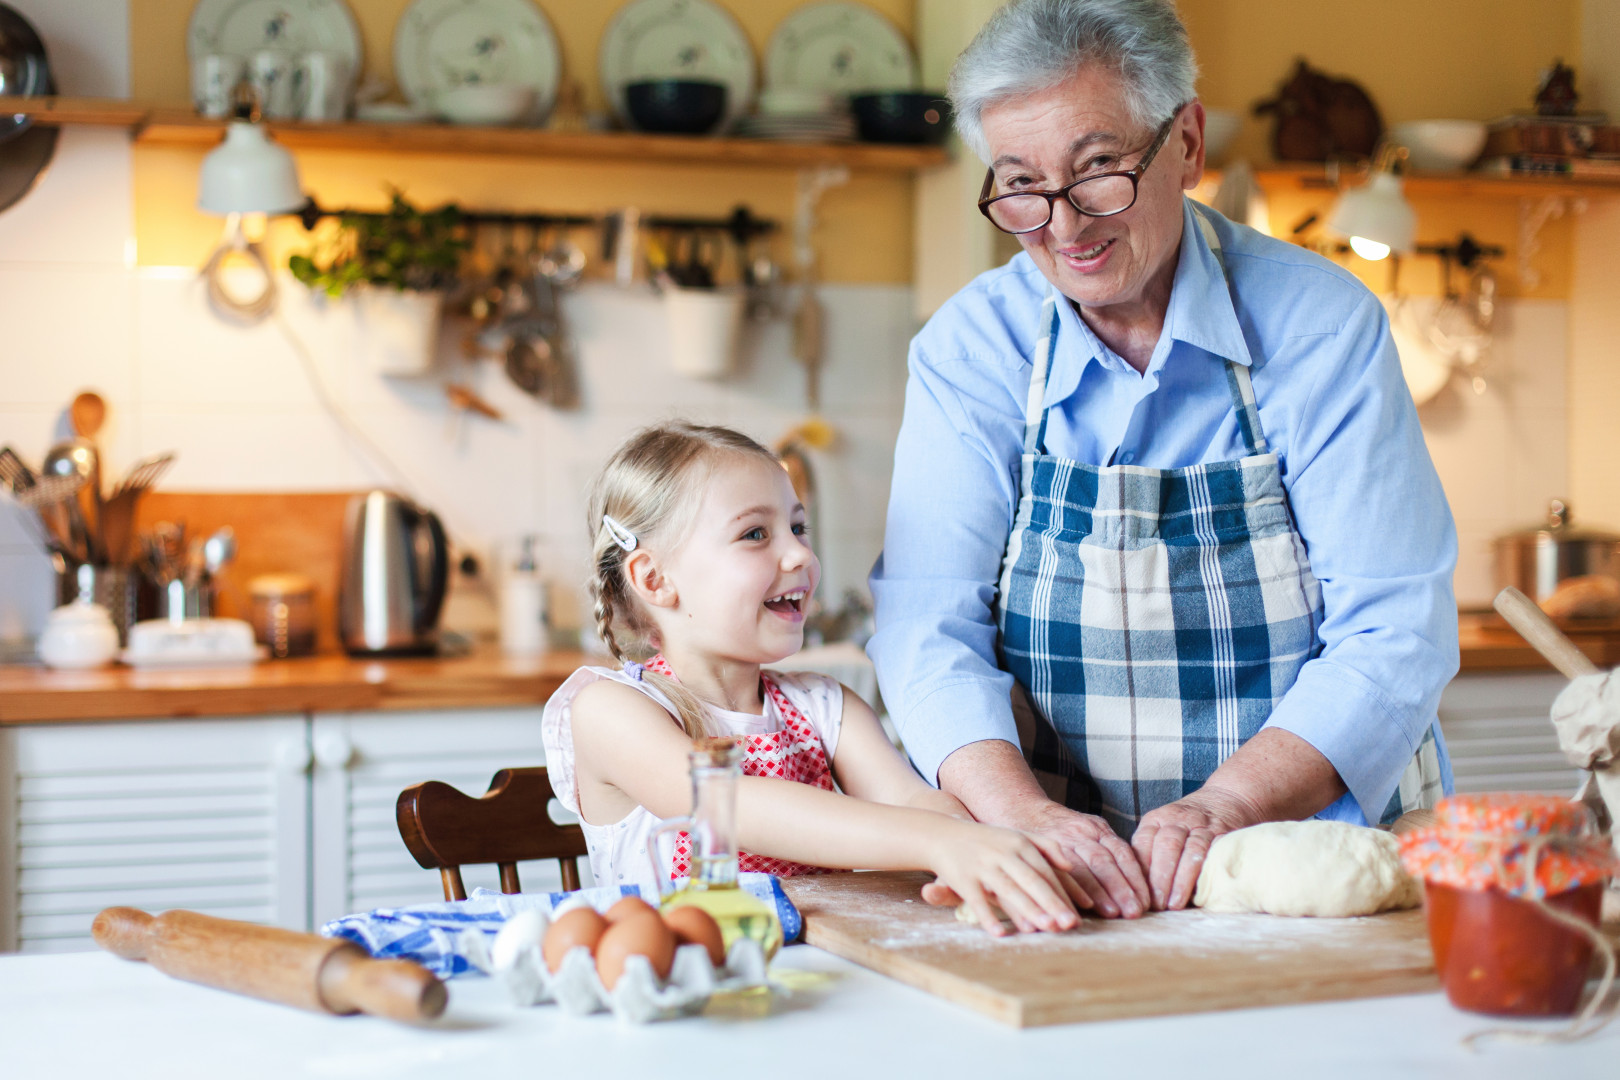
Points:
[(213, 81), (320, 87), (704, 325), (270, 72)]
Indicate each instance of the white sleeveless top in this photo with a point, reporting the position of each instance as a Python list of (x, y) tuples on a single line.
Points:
[(618, 851)]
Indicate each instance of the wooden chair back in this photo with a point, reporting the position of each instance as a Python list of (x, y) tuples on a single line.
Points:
[(446, 829)]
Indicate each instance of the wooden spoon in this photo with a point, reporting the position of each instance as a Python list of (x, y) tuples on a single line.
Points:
[(88, 412), (1535, 627)]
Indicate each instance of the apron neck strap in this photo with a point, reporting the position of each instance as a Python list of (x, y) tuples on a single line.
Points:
[(1238, 383)]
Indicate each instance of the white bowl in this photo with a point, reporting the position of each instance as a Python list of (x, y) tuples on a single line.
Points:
[(391, 112), (1440, 144), (795, 101), (486, 104), (1220, 127), (78, 635)]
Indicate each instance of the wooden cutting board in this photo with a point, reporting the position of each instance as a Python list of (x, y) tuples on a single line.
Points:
[(1163, 963)]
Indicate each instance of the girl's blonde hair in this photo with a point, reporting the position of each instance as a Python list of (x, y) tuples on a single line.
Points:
[(650, 487)]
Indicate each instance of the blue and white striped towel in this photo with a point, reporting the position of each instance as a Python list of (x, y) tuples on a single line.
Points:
[(453, 937)]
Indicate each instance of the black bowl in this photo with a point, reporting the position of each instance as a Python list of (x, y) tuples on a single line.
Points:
[(902, 117), (676, 106)]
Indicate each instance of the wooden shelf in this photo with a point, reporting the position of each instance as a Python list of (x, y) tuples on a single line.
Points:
[(110, 112), (1279, 179), (155, 126)]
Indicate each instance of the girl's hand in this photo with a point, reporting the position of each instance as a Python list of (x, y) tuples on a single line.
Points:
[(981, 862)]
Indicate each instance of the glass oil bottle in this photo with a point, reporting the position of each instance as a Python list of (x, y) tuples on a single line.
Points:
[(712, 826)]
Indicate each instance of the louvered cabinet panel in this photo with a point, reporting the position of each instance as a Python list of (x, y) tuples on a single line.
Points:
[(206, 815), (363, 762), (1500, 735)]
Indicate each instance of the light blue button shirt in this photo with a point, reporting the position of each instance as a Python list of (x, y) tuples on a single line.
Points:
[(1336, 410)]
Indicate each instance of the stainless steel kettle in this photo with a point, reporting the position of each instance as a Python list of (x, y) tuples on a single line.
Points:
[(396, 564)]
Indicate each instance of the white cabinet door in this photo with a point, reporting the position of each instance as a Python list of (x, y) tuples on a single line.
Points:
[(1500, 735), (206, 815), (364, 760)]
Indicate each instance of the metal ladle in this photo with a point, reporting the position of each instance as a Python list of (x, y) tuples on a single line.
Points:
[(77, 458)]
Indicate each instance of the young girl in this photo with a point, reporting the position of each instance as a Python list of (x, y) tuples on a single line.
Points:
[(700, 556)]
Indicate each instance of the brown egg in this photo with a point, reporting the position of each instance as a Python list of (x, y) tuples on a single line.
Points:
[(629, 907), (647, 937), (581, 926), (694, 926)]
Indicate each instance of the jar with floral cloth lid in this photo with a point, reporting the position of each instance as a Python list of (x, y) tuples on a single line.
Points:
[(1513, 889)]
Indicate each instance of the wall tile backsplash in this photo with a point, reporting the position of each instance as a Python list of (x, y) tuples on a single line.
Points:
[(239, 406)]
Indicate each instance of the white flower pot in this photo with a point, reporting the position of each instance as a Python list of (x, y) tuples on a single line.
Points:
[(704, 325), (397, 329)]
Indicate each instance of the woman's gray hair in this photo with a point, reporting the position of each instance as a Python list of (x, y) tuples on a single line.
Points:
[(1032, 45)]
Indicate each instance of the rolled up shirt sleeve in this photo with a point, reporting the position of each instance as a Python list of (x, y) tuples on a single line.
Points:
[(1381, 542), (950, 511)]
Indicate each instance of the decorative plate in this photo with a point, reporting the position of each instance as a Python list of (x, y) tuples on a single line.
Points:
[(676, 39), (442, 44), (842, 48), (243, 27)]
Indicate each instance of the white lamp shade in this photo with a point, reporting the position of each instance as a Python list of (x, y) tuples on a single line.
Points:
[(249, 174), (1377, 212)]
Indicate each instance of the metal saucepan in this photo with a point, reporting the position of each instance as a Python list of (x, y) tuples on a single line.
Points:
[(24, 70), (1536, 560)]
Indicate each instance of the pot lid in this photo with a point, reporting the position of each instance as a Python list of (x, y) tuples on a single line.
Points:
[(1560, 527)]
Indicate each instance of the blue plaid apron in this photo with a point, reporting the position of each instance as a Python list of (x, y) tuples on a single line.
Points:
[(1154, 618)]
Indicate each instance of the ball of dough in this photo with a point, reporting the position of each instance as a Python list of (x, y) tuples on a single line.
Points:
[(1323, 868)]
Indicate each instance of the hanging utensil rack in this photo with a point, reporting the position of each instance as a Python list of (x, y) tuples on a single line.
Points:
[(741, 225)]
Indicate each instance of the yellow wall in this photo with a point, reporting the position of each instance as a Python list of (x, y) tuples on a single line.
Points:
[(1594, 302), (865, 234), (1418, 59)]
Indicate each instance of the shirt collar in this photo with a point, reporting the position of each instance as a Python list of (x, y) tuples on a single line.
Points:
[(1200, 315)]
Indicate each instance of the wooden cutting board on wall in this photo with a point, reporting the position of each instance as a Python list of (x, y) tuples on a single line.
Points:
[(276, 533), (1161, 964)]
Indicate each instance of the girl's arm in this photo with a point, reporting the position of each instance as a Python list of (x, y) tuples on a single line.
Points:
[(868, 766), (625, 740)]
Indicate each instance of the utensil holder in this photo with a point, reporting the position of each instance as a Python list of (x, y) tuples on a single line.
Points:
[(179, 601), (113, 587), (704, 325)]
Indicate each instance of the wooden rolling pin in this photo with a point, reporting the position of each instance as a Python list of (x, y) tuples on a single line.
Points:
[(306, 971), (1543, 634)]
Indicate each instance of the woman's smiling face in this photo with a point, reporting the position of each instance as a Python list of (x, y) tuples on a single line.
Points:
[(1081, 126)]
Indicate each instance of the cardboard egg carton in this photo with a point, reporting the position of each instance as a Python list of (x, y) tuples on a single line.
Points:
[(639, 997)]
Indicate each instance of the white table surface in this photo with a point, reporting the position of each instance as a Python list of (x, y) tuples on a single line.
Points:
[(93, 1015)]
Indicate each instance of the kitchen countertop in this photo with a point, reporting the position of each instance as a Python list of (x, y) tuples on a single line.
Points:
[(30, 694), (485, 679), (1489, 644), (91, 1014)]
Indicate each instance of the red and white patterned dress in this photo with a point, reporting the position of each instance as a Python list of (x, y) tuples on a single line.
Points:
[(794, 739), (793, 753)]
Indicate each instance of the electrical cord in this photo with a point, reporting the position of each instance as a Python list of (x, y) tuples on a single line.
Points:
[(343, 420), (243, 312)]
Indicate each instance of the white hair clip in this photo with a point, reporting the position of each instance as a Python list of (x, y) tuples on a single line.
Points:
[(621, 535)]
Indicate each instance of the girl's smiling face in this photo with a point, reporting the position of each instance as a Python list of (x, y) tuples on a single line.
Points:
[(743, 576)]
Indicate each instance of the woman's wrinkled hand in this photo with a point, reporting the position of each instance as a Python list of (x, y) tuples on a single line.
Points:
[(1172, 842)]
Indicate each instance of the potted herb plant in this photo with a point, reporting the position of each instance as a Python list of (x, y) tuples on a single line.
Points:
[(398, 264)]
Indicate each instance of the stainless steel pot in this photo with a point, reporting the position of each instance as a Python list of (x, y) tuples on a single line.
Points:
[(1535, 560)]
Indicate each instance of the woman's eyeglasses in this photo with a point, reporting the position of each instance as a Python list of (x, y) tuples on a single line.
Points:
[(1103, 195)]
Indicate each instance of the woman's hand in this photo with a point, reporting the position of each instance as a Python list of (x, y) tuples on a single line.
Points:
[(1275, 776), (978, 863), (1173, 840)]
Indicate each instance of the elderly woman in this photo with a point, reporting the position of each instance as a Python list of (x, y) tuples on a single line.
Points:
[(1166, 555)]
